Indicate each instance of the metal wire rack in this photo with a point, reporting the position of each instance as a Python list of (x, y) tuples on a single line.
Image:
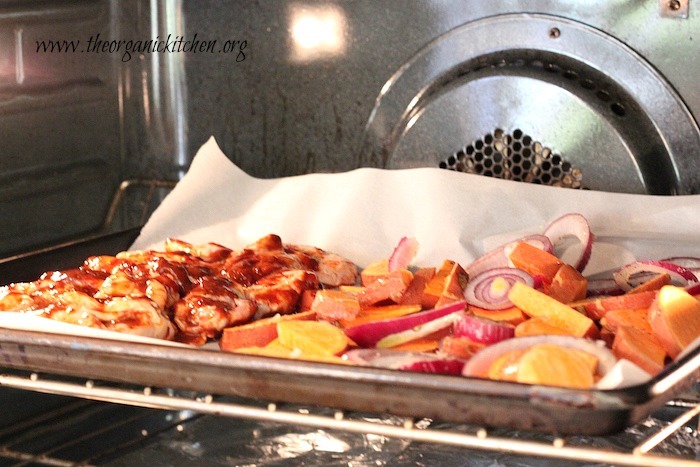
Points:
[(477, 439)]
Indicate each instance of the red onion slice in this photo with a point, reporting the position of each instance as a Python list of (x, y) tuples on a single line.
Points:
[(407, 361), (403, 254), (422, 330), (479, 364), (679, 274), (603, 287), (368, 334), (498, 257), (489, 289), (576, 225), (482, 330), (692, 263)]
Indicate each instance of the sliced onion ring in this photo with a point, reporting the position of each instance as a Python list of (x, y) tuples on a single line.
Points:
[(483, 291), (573, 224), (679, 274), (482, 330), (407, 361), (498, 257), (403, 254), (692, 263), (479, 364)]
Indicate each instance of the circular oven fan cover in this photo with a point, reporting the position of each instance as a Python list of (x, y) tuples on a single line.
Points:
[(539, 99)]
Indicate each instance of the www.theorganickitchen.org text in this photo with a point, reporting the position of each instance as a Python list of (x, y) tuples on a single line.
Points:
[(130, 48)]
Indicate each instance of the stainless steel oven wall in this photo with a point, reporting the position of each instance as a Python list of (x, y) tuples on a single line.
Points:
[(60, 150), (313, 71), (298, 92)]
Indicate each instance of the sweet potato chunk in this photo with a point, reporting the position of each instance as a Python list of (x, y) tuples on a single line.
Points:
[(388, 289), (567, 285), (638, 319), (640, 348), (675, 319), (539, 305), (537, 327), (446, 286), (534, 261), (555, 365), (333, 304), (258, 333), (597, 308), (414, 291)]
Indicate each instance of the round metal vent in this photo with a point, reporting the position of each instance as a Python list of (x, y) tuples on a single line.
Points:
[(514, 157), (574, 94)]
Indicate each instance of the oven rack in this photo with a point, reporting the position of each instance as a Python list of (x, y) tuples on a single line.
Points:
[(406, 428)]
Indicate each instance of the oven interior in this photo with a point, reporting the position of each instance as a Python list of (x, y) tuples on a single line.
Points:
[(601, 96)]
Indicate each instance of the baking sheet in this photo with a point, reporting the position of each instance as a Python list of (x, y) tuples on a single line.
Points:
[(361, 215)]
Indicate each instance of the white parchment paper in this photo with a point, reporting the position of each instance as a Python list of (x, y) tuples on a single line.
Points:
[(363, 213)]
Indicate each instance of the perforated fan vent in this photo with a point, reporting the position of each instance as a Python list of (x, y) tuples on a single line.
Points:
[(516, 157)]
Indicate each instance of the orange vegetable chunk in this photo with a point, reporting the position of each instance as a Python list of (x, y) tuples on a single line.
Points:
[(446, 286), (596, 308), (312, 337), (537, 327), (335, 304), (414, 291), (567, 285), (388, 289), (258, 333), (534, 261), (655, 283), (460, 347), (638, 319), (639, 347), (512, 315), (675, 319), (539, 305), (554, 365), (374, 271), (367, 315)]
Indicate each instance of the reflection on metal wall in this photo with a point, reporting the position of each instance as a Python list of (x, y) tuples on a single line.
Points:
[(309, 86)]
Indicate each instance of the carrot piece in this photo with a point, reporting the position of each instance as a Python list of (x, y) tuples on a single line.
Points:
[(335, 304), (655, 283), (367, 315), (539, 305), (512, 315), (567, 285), (537, 327), (596, 308), (414, 291), (258, 333), (534, 261), (639, 347), (637, 318), (312, 337), (388, 289)]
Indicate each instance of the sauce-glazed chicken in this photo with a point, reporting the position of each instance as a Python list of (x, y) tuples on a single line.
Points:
[(188, 293)]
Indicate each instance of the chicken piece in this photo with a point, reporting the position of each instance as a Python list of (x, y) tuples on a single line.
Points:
[(280, 292), (74, 307), (209, 307), (208, 252), (333, 270), (138, 316)]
